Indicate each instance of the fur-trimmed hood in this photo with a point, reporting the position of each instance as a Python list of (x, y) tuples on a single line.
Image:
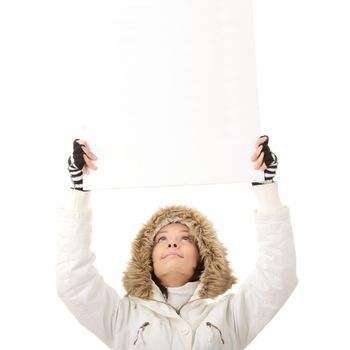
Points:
[(217, 276)]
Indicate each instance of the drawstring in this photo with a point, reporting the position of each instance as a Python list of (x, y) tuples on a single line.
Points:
[(142, 327), (211, 325)]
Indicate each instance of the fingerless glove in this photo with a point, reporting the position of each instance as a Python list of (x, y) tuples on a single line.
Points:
[(76, 163), (271, 161)]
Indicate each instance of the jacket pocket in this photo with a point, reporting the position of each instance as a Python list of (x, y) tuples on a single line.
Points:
[(139, 336), (217, 332)]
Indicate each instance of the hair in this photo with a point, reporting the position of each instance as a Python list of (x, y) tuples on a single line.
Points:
[(195, 277)]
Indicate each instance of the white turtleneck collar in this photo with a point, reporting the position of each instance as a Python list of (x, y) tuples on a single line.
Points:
[(177, 296)]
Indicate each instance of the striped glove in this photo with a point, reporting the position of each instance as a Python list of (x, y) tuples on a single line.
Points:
[(271, 161), (76, 163)]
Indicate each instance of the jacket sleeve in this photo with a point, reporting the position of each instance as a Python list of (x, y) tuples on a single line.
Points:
[(262, 294), (79, 285)]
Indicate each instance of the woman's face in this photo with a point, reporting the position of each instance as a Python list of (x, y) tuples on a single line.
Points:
[(175, 255)]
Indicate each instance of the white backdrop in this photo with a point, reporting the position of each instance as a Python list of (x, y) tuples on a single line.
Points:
[(303, 75)]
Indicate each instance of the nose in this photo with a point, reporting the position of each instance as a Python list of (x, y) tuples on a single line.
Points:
[(172, 243)]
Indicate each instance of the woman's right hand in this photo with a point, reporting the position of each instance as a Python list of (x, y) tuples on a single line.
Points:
[(79, 163)]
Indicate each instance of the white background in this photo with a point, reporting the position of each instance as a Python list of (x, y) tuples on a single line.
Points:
[(303, 57)]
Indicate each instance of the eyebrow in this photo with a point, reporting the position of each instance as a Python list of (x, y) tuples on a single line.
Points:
[(167, 231)]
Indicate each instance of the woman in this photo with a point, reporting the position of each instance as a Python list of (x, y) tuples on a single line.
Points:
[(178, 275)]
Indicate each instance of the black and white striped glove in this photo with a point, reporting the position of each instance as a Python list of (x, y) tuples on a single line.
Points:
[(76, 163), (271, 161)]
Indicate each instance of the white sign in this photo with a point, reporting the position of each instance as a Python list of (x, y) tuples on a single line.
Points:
[(170, 92)]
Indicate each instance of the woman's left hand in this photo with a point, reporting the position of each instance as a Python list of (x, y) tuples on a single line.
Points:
[(264, 160)]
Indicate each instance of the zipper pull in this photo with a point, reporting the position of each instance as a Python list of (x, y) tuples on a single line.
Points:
[(211, 325), (142, 327)]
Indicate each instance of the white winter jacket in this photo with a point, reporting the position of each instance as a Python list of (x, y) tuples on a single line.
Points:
[(212, 318)]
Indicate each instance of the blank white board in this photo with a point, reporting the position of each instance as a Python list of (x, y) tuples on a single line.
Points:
[(170, 92)]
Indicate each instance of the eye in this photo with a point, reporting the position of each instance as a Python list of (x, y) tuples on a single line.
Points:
[(160, 239)]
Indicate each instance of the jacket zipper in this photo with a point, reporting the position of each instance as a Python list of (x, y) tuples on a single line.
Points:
[(211, 325), (177, 310), (141, 328), (147, 323)]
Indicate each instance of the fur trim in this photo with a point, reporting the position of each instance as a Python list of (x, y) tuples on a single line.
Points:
[(217, 276)]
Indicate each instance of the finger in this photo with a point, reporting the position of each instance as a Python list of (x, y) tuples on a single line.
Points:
[(89, 163), (86, 149), (256, 154), (260, 141), (263, 167), (85, 170), (81, 142), (88, 152), (259, 162)]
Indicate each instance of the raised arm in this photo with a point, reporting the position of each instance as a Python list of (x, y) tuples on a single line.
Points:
[(274, 277), (79, 285)]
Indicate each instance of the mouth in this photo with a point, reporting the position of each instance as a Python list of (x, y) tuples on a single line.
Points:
[(172, 255)]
